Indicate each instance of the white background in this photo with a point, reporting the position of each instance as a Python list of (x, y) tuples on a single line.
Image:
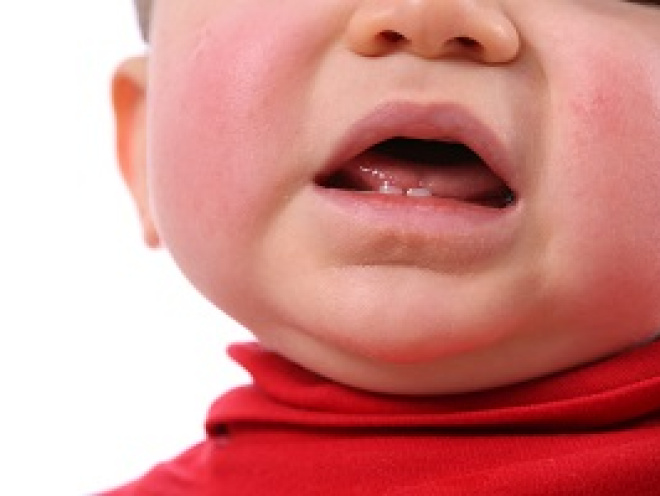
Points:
[(108, 359)]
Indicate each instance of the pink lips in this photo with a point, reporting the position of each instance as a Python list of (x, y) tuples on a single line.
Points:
[(442, 233), (448, 123)]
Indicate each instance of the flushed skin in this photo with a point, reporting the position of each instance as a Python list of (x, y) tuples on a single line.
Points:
[(240, 106)]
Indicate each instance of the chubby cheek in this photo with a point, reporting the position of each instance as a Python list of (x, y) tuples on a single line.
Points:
[(603, 180), (225, 115)]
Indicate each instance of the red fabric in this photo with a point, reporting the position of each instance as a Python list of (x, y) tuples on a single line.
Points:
[(594, 430)]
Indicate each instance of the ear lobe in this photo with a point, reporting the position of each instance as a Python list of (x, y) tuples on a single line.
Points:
[(129, 86)]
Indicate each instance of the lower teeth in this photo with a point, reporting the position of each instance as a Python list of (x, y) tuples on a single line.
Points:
[(421, 192), (390, 189), (418, 192)]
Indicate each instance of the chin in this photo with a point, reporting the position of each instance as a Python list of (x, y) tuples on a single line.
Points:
[(414, 323), (390, 359)]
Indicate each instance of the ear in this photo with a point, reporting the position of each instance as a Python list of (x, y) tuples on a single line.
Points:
[(129, 86)]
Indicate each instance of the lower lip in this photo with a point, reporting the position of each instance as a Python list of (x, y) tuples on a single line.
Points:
[(451, 225)]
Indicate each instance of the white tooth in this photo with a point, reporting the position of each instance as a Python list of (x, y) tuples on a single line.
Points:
[(418, 192), (389, 189)]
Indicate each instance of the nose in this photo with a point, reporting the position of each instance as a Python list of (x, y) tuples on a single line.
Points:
[(479, 30)]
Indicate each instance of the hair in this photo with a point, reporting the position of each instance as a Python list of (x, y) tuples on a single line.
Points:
[(143, 8)]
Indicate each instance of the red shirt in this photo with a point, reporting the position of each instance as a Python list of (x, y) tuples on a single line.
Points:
[(594, 430)]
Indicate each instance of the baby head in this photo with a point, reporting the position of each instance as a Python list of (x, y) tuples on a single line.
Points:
[(415, 197)]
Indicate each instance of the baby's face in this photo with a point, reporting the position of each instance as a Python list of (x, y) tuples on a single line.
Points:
[(511, 230)]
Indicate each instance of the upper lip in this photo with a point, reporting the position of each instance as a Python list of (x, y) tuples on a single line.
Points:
[(441, 122)]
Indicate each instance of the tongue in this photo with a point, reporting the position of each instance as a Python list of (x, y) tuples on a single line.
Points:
[(462, 180)]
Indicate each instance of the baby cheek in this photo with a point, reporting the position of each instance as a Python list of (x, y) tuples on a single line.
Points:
[(226, 115), (616, 133), (608, 177)]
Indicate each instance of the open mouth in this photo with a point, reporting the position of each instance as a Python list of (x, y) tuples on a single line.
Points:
[(427, 170)]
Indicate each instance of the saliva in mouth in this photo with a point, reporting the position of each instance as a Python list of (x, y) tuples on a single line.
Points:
[(422, 169)]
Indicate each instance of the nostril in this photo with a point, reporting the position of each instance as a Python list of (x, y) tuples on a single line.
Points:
[(467, 42), (390, 36)]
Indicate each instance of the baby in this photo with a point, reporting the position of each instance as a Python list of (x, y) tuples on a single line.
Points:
[(439, 218)]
